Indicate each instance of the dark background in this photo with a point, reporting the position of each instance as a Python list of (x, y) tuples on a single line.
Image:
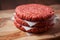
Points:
[(11, 4)]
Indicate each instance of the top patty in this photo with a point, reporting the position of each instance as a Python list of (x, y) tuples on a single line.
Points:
[(34, 12)]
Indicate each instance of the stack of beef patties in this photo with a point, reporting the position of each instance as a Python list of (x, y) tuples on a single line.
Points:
[(34, 18)]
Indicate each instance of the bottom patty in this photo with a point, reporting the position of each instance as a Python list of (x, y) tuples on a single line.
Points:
[(34, 29)]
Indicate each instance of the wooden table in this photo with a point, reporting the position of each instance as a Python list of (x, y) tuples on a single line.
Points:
[(8, 31)]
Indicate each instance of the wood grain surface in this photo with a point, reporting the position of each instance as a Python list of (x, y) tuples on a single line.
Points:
[(8, 31)]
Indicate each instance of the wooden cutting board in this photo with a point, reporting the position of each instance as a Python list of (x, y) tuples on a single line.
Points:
[(8, 31)]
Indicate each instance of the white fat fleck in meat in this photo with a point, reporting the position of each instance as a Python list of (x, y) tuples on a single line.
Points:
[(26, 28)]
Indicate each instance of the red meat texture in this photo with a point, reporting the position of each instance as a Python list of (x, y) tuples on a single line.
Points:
[(34, 12), (39, 15), (34, 29)]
